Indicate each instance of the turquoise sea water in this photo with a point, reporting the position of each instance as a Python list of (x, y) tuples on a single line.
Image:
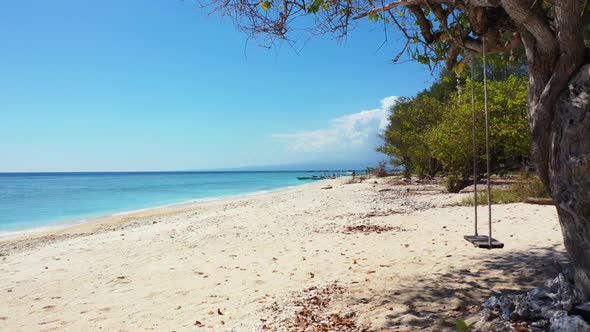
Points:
[(31, 200)]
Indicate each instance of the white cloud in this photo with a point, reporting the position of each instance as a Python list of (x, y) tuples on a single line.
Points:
[(349, 131)]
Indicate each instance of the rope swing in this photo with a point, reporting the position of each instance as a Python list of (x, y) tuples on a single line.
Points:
[(482, 241)]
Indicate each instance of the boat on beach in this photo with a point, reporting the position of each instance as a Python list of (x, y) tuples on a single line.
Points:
[(317, 177), (313, 177)]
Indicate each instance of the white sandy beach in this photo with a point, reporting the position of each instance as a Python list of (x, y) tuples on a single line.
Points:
[(277, 261)]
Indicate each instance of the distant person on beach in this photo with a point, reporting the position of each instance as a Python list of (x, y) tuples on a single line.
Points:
[(353, 174)]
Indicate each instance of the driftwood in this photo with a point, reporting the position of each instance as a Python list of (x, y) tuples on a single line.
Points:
[(540, 201)]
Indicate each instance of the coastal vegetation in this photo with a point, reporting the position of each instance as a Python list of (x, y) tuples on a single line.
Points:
[(525, 187), (431, 134)]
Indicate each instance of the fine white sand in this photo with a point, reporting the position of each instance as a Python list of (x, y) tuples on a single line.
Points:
[(253, 263)]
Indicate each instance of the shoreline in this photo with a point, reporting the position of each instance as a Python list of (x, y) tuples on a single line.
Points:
[(143, 212)]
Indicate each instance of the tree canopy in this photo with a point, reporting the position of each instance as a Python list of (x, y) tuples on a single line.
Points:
[(435, 30), (428, 135)]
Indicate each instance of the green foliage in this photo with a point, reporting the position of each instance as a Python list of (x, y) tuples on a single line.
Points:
[(265, 5), (405, 137), (462, 326), (499, 196), (374, 17), (528, 186), (315, 6), (452, 141), (432, 132), (503, 65)]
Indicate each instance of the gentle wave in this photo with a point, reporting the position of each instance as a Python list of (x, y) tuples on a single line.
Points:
[(33, 201)]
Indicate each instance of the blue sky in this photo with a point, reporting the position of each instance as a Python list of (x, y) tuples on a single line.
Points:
[(160, 85)]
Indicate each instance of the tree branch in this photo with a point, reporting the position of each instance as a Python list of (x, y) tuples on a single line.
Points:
[(530, 15), (406, 3), (425, 24)]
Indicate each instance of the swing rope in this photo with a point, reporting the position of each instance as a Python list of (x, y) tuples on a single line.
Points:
[(481, 241), (485, 101), (474, 141)]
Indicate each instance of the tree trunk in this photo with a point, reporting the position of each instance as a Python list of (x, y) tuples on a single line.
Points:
[(559, 98), (569, 173)]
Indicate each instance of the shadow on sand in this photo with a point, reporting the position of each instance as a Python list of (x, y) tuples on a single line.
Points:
[(436, 301)]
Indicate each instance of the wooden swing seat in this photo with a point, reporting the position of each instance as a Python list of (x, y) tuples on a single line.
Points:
[(481, 241)]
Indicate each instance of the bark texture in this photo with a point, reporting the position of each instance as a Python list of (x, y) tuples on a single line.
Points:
[(569, 173), (559, 98)]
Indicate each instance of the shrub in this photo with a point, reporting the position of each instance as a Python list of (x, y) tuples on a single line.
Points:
[(529, 186), (379, 170), (499, 196)]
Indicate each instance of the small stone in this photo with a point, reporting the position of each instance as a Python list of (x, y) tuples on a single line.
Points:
[(568, 323)]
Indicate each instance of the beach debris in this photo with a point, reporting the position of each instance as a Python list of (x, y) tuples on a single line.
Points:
[(199, 324), (366, 229), (219, 311), (540, 201), (385, 189), (310, 310), (381, 213), (327, 187)]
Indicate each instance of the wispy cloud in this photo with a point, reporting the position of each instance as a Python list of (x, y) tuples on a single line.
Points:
[(349, 131)]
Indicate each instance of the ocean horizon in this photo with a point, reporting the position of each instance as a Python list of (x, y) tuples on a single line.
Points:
[(31, 200)]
